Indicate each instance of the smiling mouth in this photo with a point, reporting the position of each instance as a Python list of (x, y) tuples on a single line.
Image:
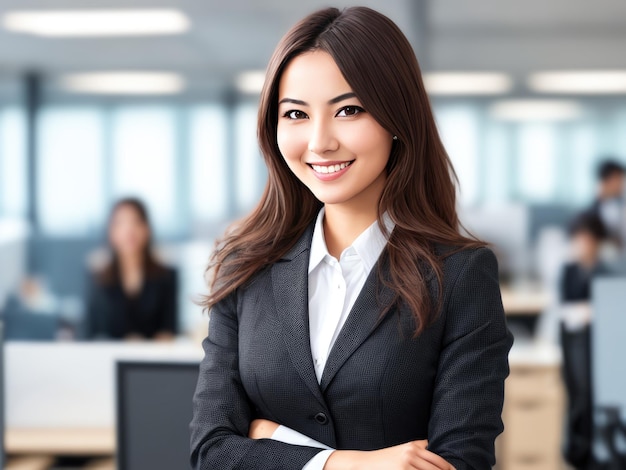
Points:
[(326, 169)]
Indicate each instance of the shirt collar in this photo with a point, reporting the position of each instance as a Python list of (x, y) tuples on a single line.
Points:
[(369, 245), (318, 244)]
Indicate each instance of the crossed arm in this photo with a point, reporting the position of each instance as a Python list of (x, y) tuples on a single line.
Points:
[(411, 455)]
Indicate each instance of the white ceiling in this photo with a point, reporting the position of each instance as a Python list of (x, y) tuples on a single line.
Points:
[(230, 36), (530, 35)]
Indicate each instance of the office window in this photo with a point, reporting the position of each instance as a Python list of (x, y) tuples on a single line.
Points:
[(70, 189), (620, 134), (208, 171), (250, 171), (577, 166), (144, 161), (459, 129), (497, 164), (13, 177), (536, 161)]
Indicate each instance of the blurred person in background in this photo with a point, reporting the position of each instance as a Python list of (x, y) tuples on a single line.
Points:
[(587, 232), (134, 296), (33, 312), (347, 311), (609, 205)]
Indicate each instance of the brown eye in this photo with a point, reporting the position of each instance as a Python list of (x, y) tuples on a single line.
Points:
[(295, 114), (350, 111)]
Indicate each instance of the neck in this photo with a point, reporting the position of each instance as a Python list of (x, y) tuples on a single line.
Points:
[(589, 262), (131, 261), (344, 222), (605, 195)]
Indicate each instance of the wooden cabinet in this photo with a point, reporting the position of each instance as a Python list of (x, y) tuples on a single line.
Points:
[(533, 419)]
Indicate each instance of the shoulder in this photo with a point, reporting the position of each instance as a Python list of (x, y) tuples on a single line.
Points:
[(462, 270), (602, 269), (170, 273), (165, 275), (170, 277), (99, 290), (569, 268), (472, 300), (97, 279), (468, 273), (458, 263)]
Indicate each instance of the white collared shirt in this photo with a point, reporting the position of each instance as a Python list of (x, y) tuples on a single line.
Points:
[(334, 286)]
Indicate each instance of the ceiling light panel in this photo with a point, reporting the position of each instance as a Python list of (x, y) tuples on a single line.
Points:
[(579, 82), (467, 83), (250, 82), (125, 83), (535, 110), (85, 23)]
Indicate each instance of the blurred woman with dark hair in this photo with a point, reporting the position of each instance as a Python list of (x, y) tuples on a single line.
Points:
[(587, 232), (352, 324), (134, 296)]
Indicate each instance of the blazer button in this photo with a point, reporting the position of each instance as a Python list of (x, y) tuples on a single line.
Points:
[(321, 418)]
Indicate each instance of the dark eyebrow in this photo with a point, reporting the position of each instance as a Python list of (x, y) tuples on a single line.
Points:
[(335, 100), (291, 100), (343, 97)]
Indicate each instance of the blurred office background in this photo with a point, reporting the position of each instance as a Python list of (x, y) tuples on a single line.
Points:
[(529, 98)]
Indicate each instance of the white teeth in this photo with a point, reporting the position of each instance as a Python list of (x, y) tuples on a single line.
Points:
[(330, 168)]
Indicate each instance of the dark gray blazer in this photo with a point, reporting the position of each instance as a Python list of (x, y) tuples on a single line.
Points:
[(380, 387)]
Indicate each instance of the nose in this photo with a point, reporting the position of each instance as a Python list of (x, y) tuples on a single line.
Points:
[(322, 139)]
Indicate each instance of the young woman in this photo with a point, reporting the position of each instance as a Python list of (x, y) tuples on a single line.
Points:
[(587, 234), (134, 296), (352, 325)]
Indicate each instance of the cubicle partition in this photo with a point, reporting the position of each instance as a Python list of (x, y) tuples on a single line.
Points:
[(1, 393), (609, 369)]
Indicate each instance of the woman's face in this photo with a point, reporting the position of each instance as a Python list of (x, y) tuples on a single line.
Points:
[(128, 233), (585, 246), (333, 145)]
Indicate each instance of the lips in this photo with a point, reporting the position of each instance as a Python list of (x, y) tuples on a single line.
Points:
[(330, 171), (330, 168)]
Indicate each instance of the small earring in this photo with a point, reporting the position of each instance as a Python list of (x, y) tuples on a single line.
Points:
[(395, 137)]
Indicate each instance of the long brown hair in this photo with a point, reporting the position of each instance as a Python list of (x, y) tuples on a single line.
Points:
[(380, 66), (152, 268)]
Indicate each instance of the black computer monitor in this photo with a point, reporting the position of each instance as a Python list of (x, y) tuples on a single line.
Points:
[(153, 414)]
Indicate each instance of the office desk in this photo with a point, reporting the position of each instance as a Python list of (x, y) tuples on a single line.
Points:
[(33, 462), (528, 300), (533, 409), (72, 385), (60, 397), (88, 441)]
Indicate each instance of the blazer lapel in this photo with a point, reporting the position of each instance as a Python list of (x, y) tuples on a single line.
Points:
[(362, 320), (290, 285)]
